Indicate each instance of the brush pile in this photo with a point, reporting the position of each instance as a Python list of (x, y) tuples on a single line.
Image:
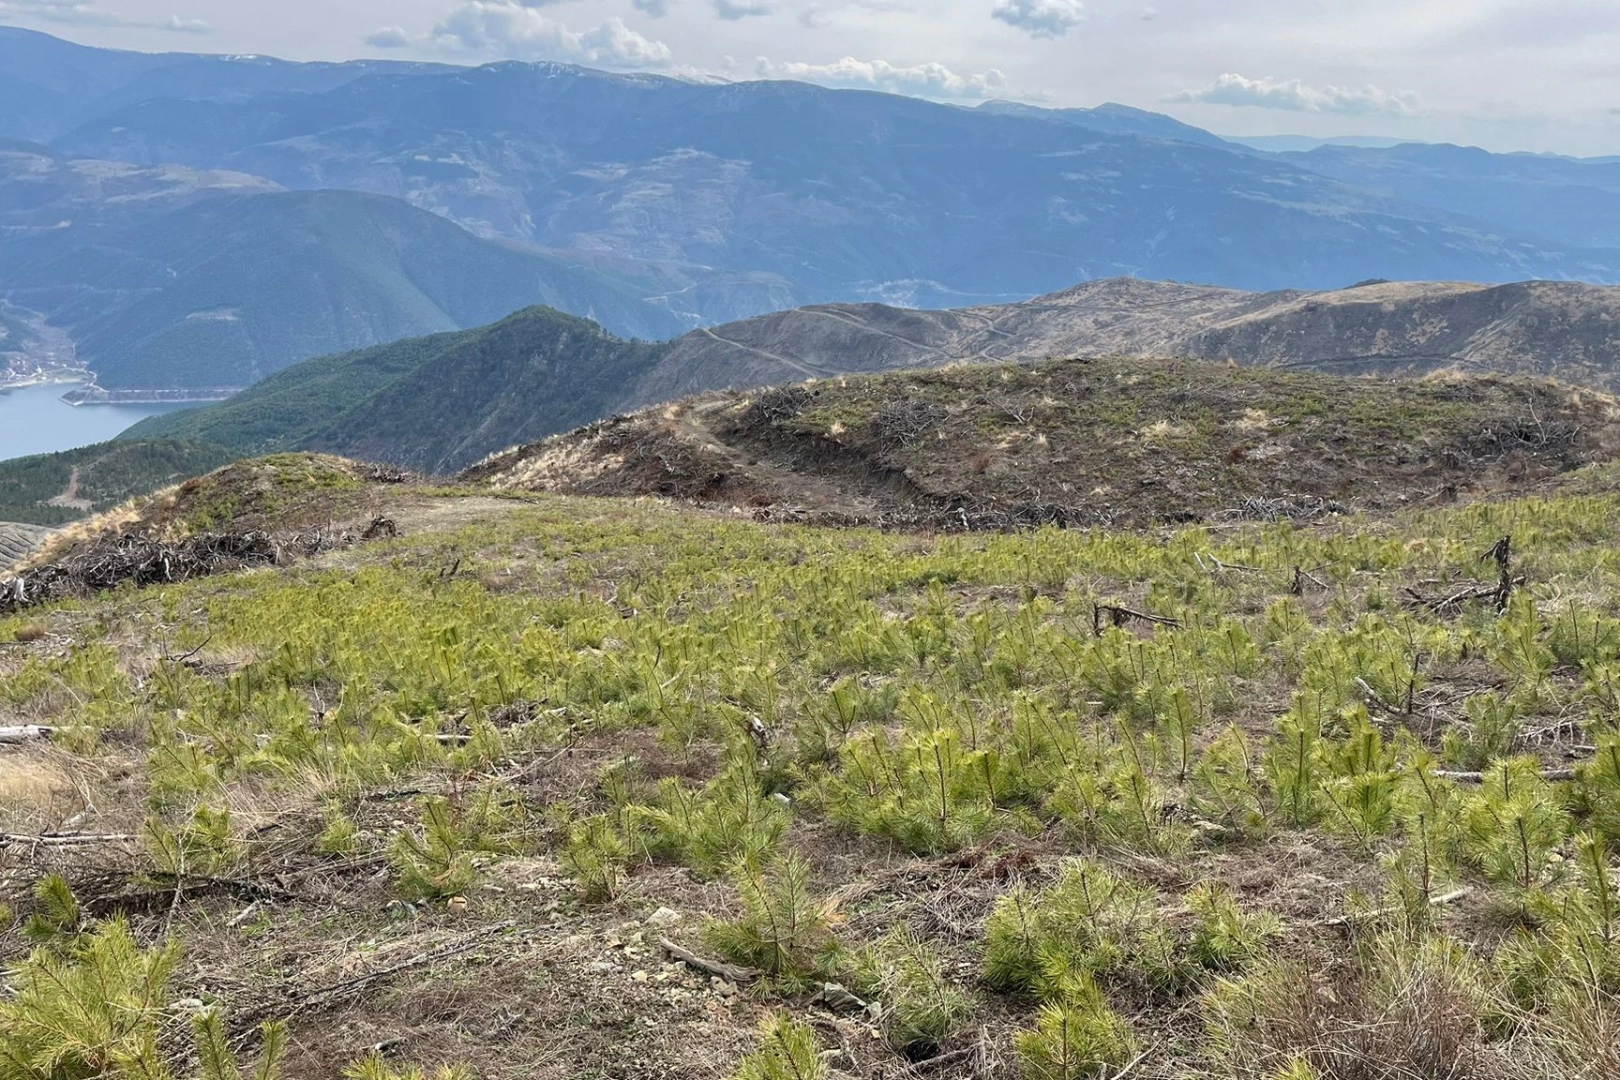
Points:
[(143, 561)]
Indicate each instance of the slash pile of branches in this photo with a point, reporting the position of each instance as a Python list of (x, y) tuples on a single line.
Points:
[(144, 561)]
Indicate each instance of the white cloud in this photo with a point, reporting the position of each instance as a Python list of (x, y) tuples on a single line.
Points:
[(656, 8), (927, 80), (732, 10), (1292, 95), (389, 37), (1041, 18), (502, 28), (87, 13)]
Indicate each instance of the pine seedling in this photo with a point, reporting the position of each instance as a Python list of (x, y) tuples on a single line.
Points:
[(1226, 786), (784, 930), (435, 863), (1076, 1035), (1227, 939), (1598, 788), (376, 1067), (56, 916), (219, 1061), (201, 846), (1512, 826), (1293, 764), (730, 821), (787, 1051), (598, 857), (340, 836), (94, 1011)]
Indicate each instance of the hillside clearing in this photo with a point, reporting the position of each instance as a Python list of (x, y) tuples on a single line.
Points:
[(1105, 441), (447, 794)]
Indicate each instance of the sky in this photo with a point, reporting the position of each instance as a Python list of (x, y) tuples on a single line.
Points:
[(1536, 75)]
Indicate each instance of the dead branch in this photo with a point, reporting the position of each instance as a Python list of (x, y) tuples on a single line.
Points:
[(25, 733), (741, 976), (1479, 778), (1301, 576), (64, 839), (308, 999), (1216, 565), (1119, 616), (1434, 901)]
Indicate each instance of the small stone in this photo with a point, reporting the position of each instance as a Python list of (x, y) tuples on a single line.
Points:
[(639, 976), (602, 966), (663, 918)]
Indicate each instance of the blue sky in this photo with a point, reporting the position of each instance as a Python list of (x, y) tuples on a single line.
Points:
[(1505, 74)]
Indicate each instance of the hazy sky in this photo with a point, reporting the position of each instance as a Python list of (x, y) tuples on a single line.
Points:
[(1505, 74)]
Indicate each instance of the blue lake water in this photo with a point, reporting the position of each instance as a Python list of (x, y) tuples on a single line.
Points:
[(35, 420)]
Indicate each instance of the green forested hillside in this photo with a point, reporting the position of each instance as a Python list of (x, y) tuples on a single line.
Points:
[(99, 477), (297, 403), (435, 403)]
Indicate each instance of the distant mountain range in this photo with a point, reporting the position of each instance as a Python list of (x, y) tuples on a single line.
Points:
[(440, 403), (199, 221)]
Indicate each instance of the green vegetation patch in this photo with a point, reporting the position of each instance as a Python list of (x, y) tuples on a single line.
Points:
[(96, 478), (281, 491)]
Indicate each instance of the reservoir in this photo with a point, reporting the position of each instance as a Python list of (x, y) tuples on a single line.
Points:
[(34, 420)]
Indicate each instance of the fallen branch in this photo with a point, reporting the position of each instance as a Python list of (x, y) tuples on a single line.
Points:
[(1218, 565), (1134, 1062), (741, 976), (1119, 616), (1479, 777), (1434, 901), (187, 658), (945, 1061), (1375, 699), (65, 840), (307, 999), (25, 733)]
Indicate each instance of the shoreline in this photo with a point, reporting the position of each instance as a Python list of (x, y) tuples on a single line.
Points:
[(94, 395), (45, 378), (88, 393)]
